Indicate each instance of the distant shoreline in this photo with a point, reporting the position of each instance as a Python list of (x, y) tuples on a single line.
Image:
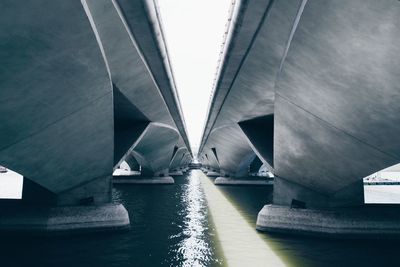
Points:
[(383, 183)]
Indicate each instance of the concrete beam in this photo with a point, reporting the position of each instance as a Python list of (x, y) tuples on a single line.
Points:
[(335, 129), (57, 121), (244, 92), (331, 87), (143, 20), (134, 67)]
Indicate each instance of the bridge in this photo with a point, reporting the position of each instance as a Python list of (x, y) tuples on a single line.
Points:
[(311, 88), (85, 85)]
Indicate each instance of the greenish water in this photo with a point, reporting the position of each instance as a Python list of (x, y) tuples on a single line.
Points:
[(312, 252), (171, 226)]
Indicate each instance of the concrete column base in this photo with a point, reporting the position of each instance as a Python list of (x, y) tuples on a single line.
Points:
[(363, 222), (119, 172), (230, 181), (143, 180), (49, 220), (213, 174), (176, 173)]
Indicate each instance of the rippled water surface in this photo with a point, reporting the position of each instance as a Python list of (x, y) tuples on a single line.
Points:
[(313, 252), (193, 246), (170, 227)]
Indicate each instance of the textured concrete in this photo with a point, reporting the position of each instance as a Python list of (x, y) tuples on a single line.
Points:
[(366, 222), (244, 88), (84, 86), (221, 156), (311, 88), (212, 174), (57, 110), (143, 180), (230, 181), (180, 158), (335, 96), (148, 118), (176, 173), (51, 220), (144, 21), (119, 172), (154, 149)]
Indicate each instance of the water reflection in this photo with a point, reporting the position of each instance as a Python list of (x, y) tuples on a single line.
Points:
[(192, 248), (169, 227), (312, 252)]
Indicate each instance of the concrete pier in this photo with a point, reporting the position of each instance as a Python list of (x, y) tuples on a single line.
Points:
[(315, 110), (143, 180), (359, 222), (176, 173), (50, 220), (67, 144), (213, 174), (234, 181)]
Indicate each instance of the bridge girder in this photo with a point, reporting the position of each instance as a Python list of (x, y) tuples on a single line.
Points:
[(79, 90), (328, 85)]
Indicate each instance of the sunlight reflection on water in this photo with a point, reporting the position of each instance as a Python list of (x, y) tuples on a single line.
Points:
[(193, 249)]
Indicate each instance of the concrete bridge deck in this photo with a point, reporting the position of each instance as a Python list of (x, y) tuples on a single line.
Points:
[(84, 85), (311, 88)]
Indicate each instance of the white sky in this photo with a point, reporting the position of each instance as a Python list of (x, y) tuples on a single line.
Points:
[(11, 185), (194, 33)]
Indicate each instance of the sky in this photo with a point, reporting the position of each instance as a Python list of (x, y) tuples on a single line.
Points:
[(194, 31), (11, 185)]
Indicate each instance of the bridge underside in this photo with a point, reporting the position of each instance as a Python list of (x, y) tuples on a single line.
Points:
[(311, 88), (84, 85)]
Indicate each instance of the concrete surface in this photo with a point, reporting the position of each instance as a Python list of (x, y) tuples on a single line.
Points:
[(143, 180), (311, 93), (52, 220), (213, 174), (176, 173), (365, 222), (252, 181), (244, 88), (83, 91)]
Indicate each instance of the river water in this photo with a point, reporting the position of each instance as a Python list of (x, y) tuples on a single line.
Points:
[(172, 226)]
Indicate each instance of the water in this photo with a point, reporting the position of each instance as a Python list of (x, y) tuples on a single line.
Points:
[(313, 252), (171, 226)]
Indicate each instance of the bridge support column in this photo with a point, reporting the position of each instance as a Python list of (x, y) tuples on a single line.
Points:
[(86, 208), (300, 210), (353, 222), (213, 173), (244, 181), (176, 173), (146, 178)]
